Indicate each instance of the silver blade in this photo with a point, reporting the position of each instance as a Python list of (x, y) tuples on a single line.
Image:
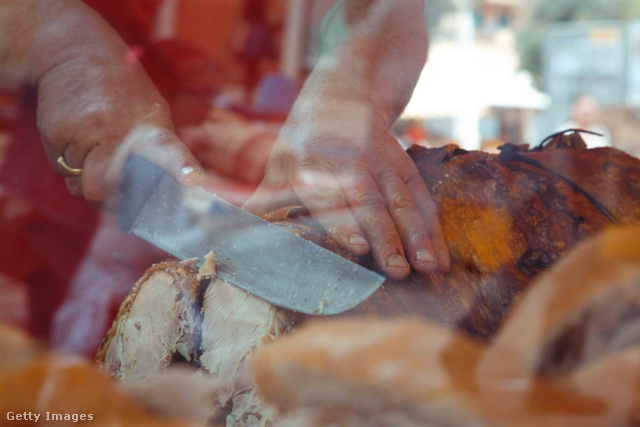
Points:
[(251, 253)]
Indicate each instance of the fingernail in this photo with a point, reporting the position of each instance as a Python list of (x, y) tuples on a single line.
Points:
[(443, 259), (190, 174), (396, 261), (187, 170), (424, 255), (357, 240)]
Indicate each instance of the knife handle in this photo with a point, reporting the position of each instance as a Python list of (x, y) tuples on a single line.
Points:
[(139, 178)]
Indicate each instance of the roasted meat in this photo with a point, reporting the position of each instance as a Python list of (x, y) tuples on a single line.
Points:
[(506, 218), (156, 322), (178, 314)]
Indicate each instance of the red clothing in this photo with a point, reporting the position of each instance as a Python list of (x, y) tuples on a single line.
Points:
[(44, 248)]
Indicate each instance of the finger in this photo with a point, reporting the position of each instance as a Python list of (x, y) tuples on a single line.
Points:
[(409, 222), (429, 212), (166, 150), (321, 194), (98, 185), (73, 158), (162, 147), (275, 191), (74, 186), (269, 197), (371, 212)]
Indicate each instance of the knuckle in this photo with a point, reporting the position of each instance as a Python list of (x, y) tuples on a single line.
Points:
[(313, 162), (400, 202), (313, 179), (430, 210), (73, 131), (326, 206), (164, 137), (387, 176), (88, 118), (370, 203), (419, 240)]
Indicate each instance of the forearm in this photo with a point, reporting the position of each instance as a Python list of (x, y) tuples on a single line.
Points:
[(336, 154), (373, 52), (95, 102), (63, 37)]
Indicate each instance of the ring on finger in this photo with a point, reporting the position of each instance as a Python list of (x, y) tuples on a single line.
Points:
[(65, 170)]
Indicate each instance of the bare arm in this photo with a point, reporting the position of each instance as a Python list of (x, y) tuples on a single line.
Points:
[(375, 51), (336, 153), (95, 102)]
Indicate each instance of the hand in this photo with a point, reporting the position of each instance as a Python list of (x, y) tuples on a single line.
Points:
[(345, 166), (96, 104)]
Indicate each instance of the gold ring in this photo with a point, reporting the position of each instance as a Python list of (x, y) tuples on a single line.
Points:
[(65, 170)]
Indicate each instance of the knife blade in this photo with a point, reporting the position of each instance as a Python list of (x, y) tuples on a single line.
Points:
[(251, 253)]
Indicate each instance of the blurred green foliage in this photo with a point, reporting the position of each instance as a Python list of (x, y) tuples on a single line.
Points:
[(543, 12)]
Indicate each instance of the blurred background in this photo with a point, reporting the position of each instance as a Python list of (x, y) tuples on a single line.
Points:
[(498, 71)]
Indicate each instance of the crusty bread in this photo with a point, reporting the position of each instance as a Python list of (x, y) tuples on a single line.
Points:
[(35, 381), (369, 366), (585, 307), (569, 355)]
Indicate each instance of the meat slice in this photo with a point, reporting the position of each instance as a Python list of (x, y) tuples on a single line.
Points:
[(234, 323), (177, 313), (157, 321)]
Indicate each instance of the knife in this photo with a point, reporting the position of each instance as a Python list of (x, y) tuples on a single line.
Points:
[(251, 253)]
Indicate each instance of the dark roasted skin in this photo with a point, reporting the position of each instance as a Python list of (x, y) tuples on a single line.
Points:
[(506, 217)]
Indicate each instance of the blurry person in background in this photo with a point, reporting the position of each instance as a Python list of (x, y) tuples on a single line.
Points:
[(584, 115), (336, 154)]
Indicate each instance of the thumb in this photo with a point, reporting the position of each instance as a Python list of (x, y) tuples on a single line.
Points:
[(269, 197), (162, 147)]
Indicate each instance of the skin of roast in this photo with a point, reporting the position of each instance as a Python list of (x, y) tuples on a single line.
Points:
[(506, 217)]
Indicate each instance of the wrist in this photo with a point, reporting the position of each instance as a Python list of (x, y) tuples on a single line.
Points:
[(69, 32), (348, 89)]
